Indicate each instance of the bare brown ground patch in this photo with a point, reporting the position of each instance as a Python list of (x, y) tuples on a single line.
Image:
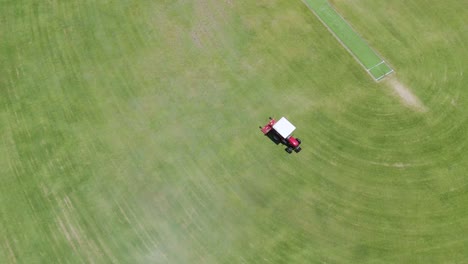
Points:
[(406, 96)]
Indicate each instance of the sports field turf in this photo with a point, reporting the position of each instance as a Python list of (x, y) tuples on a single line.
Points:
[(351, 40), (129, 133)]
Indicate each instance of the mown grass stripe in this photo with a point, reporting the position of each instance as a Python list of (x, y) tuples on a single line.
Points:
[(351, 40)]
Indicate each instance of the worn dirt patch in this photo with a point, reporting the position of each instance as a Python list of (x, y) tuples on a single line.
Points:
[(405, 95)]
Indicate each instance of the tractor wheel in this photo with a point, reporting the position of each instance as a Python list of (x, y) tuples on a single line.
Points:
[(288, 150), (298, 140), (298, 149)]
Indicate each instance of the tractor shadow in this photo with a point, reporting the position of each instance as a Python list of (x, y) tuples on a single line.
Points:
[(274, 138)]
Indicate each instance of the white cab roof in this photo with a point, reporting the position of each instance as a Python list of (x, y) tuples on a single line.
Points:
[(284, 127)]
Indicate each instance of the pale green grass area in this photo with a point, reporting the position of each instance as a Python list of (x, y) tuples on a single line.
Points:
[(129, 134)]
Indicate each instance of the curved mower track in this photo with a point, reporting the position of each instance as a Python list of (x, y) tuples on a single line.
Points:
[(129, 133)]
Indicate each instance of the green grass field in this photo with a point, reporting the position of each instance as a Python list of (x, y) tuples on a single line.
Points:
[(129, 133), (351, 40)]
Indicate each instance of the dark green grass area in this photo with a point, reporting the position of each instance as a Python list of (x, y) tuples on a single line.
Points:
[(380, 70), (129, 134)]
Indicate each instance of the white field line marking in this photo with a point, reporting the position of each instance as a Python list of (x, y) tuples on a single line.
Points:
[(382, 76), (375, 65), (355, 31), (333, 33), (323, 7)]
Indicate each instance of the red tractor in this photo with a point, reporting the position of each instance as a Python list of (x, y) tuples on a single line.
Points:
[(280, 132)]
